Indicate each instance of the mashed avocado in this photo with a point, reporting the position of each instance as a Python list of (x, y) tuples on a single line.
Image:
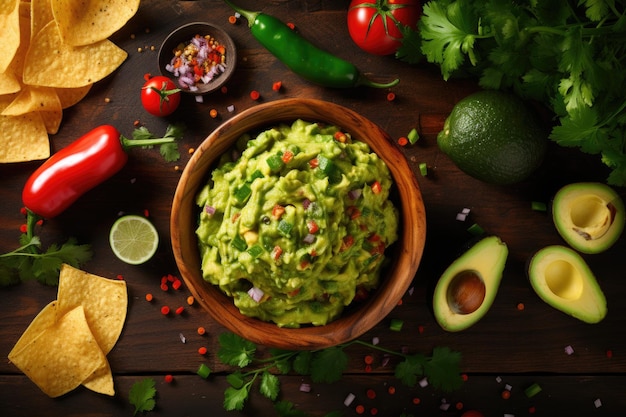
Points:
[(294, 223)]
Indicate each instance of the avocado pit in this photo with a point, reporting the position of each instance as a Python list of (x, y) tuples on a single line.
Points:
[(466, 292)]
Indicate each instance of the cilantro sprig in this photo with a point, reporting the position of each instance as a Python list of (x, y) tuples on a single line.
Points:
[(142, 395), (31, 261), (168, 145), (327, 365), (569, 55)]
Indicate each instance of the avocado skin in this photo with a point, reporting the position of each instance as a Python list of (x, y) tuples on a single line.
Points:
[(487, 257), (562, 279)]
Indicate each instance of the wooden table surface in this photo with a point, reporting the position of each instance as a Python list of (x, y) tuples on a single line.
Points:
[(509, 347)]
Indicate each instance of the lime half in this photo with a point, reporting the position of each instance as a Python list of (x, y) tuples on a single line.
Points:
[(133, 239)]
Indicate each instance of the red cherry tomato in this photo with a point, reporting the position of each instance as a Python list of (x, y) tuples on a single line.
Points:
[(159, 96), (374, 25)]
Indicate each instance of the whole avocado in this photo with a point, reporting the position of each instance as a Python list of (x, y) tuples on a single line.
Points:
[(495, 137)]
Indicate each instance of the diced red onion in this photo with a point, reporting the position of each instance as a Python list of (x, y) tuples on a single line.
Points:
[(309, 238), (304, 387), (423, 382), (256, 293), (306, 203), (210, 210), (349, 398), (354, 194)]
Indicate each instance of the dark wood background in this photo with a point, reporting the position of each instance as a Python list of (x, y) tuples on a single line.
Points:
[(508, 346)]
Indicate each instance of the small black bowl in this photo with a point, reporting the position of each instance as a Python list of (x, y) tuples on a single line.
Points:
[(183, 35)]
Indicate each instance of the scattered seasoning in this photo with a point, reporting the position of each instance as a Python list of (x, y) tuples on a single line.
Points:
[(532, 409), (107, 100), (120, 277), (609, 353), (459, 405), (149, 297), (164, 286), (291, 25), (423, 169), (190, 300), (255, 95), (375, 340), (597, 403), (371, 394), (201, 330), (506, 394), (569, 350), (413, 136), (360, 409), (304, 387), (202, 350), (213, 113), (349, 399), (538, 206), (423, 382), (396, 325), (203, 371), (232, 20), (416, 400), (464, 377), (230, 108), (420, 329), (532, 390), (391, 96), (169, 378), (177, 283), (165, 310), (368, 368), (182, 337), (224, 89), (373, 411), (180, 310), (402, 141), (191, 150), (521, 306), (23, 228), (277, 85), (368, 359), (391, 390)]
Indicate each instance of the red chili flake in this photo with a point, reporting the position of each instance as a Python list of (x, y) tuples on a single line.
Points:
[(169, 378), (420, 329), (24, 211), (232, 19), (254, 95), (520, 306), (340, 137), (149, 297), (164, 286), (360, 409), (190, 300), (373, 411), (177, 283), (400, 301), (146, 213), (201, 330), (171, 277), (202, 350), (464, 377), (347, 242), (391, 96), (287, 156), (165, 310), (23, 228), (277, 85), (368, 359), (120, 277), (416, 400), (532, 409), (403, 141), (371, 394), (609, 353), (39, 222), (213, 113), (391, 390), (180, 310), (368, 368), (459, 405), (224, 90), (506, 394), (291, 25), (147, 76)]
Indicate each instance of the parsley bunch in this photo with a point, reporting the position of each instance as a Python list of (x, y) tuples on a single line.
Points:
[(323, 366), (569, 55)]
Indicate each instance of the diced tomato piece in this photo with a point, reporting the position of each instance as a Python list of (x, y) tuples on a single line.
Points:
[(312, 226), (376, 187), (278, 211)]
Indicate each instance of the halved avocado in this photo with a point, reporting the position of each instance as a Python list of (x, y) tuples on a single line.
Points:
[(562, 278), (467, 288), (589, 216)]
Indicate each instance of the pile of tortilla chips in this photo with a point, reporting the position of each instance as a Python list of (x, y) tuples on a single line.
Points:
[(51, 52), (67, 342)]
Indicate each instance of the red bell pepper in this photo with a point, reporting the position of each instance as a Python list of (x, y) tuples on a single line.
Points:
[(77, 168)]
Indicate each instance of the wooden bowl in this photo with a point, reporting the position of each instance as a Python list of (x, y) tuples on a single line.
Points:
[(395, 279), (184, 34)]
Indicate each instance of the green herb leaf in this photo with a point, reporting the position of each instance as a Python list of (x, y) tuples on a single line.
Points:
[(443, 370), (328, 364), (235, 398), (287, 409), (235, 350), (409, 370), (302, 362), (142, 395), (270, 386), (410, 50)]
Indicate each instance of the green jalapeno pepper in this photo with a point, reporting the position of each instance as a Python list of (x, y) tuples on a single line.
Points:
[(301, 56)]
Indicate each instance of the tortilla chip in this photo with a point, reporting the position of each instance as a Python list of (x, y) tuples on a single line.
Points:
[(9, 82), (43, 320), (62, 356), (40, 15), (105, 302), (101, 381), (83, 22), (33, 98), (23, 138), (10, 33), (71, 96), (70, 66)]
